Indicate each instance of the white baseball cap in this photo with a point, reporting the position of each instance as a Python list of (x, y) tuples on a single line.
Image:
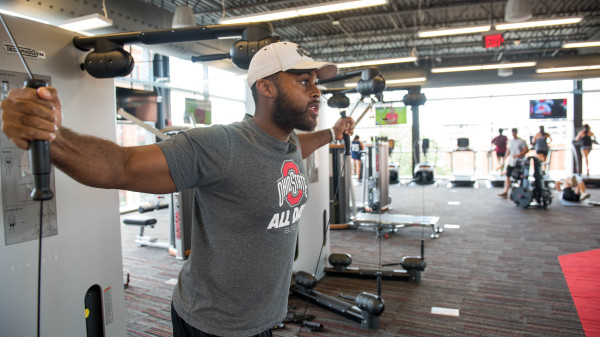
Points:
[(284, 56)]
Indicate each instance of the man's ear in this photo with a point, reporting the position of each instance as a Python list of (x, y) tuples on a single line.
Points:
[(266, 88)]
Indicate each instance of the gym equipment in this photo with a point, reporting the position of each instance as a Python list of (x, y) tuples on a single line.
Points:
[(39, 150), (465, 178), (303, 319), (524, 192), (390, 223), (149, 207), (413, 266), (39, 162), (495, 179), (141, 240), (423, 174), (370, 85), (108, 58), (180, 223), (376, 181), (365, 310), (84, 242)]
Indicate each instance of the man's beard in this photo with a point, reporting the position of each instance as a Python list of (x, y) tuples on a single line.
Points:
[(289, 116)]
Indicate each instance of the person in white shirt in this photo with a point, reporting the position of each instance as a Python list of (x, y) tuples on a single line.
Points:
[(517, 149)]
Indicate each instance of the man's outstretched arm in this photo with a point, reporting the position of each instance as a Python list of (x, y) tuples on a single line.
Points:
[(28, 114)]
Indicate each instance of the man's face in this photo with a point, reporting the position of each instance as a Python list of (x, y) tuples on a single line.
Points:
[(514, 134), (297, 101)]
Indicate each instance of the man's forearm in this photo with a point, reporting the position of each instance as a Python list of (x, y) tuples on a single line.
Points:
[(310, 142), (89, 160)]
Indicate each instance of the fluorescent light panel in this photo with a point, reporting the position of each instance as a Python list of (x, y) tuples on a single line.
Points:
[(562, 69), (454, 31), (406, 80), (398, 81), (87, 22), (376, 62), (483, 67), (581, 44), (304, 11), (3, 11), (540, 23), (504, 26)]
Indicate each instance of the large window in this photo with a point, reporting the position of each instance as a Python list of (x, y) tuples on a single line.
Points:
[(476, 113)]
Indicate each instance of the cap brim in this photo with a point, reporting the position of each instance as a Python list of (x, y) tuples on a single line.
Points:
[(325, 70)]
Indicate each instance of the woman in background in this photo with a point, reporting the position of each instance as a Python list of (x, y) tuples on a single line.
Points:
[(586, 137), (540, 143)]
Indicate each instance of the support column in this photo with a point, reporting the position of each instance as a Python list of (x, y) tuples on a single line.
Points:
[(414, 98), (160, 69), (577, 122), (416, 158)]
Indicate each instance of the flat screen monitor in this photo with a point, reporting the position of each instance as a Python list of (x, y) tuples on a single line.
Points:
[(390, 115), (140, 103), (548, 108), (462, 143)]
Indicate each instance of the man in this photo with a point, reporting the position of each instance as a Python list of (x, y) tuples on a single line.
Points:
[(249, 180), (517, 149), (500, 142)]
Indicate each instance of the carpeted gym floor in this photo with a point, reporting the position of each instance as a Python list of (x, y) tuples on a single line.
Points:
[(496, 266)]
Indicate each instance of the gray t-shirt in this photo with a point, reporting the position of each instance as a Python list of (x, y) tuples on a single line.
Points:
[(250, 190)]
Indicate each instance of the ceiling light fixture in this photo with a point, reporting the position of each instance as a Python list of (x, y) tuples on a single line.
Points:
[(397, 81), (454, 31), (183, 17), (304, 11), (406, 80), (483, 67), (540, 23), (517, 10), (562, 69), (376, 62), (86, 22), (581, 44), (503, 26)]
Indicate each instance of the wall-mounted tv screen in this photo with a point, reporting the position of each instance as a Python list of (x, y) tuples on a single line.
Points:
[(140, 103), (548, 108), (390, 115)]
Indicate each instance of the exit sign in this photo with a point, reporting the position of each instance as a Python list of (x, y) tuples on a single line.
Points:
[(493, 41)]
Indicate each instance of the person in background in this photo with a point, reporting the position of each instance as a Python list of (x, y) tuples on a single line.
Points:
[(540, 143), (500, 142), (356, 149), (517, 149), (573, 189), (586, 137)]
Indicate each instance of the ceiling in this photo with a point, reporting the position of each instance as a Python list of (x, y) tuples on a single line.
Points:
[(388, 31)]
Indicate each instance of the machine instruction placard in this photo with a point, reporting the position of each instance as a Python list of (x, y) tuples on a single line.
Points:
[(21, 215)]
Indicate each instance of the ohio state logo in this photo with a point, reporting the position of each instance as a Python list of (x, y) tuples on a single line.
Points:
[(292, 185)]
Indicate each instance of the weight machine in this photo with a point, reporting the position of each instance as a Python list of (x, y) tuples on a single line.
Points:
[(462, 178), (526, 193), (378, 188), (366, 307), (82, 224)]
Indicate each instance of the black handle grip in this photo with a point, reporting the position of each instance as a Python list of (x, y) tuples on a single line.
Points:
[(346, 137), (39, 158)]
